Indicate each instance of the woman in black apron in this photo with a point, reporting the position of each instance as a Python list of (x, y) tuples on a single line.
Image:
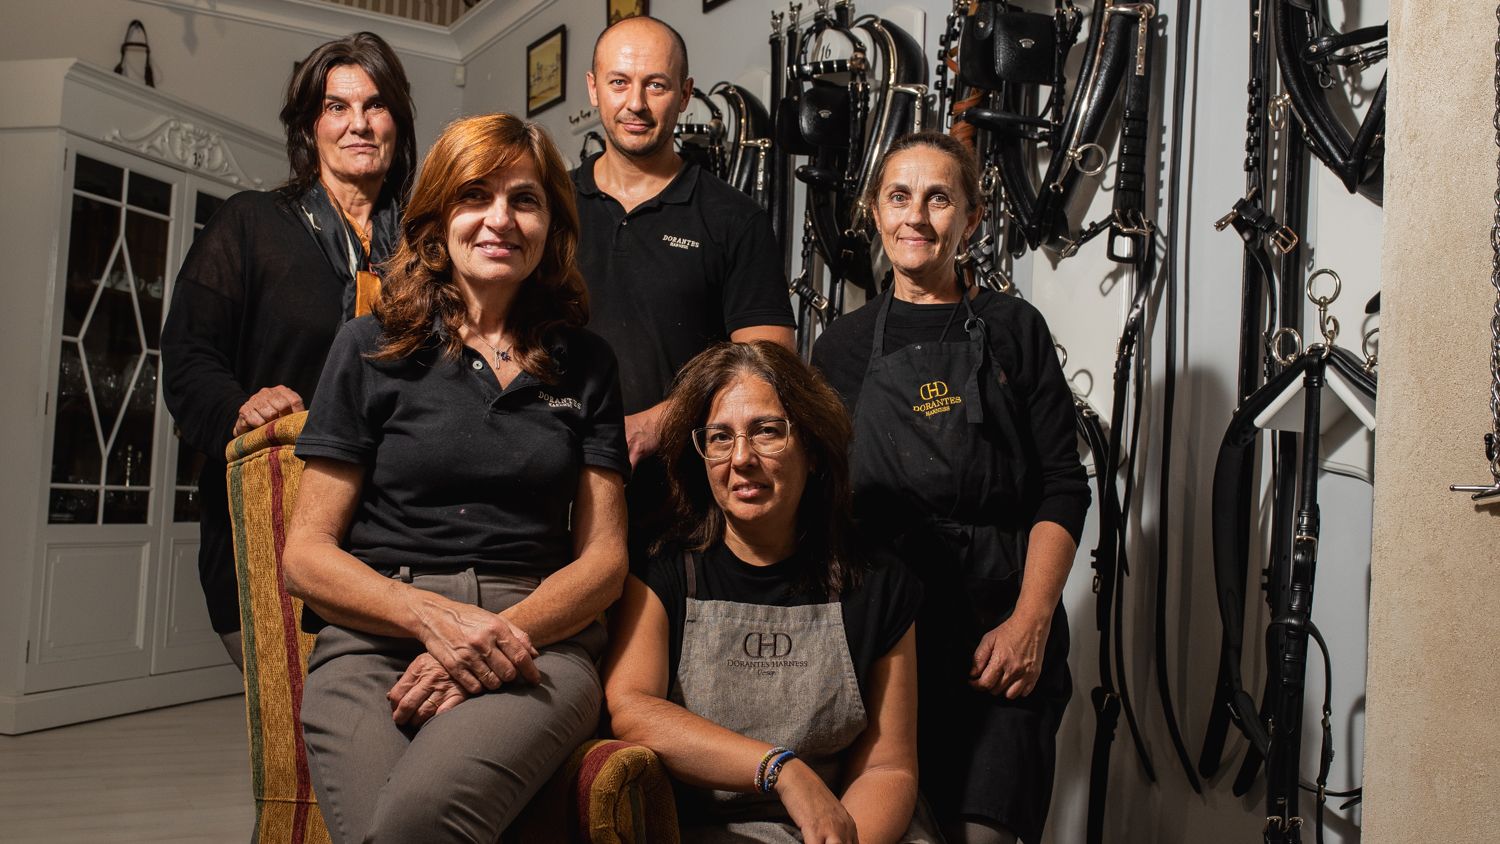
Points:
[(965, 463), (760, 654)]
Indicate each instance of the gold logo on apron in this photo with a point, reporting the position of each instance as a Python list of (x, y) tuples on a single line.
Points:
[(935, 399)]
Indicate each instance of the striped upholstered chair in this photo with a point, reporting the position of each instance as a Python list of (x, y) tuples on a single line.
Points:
[(609, 791)]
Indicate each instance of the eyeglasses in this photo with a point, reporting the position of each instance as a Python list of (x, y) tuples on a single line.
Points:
[(766, 437)]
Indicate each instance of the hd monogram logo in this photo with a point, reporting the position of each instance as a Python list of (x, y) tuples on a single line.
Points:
[(767, 645), (935, 399), (933, 390)]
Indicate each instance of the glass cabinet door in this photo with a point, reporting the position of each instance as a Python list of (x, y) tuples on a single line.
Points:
[(189, 462), (115, 285)]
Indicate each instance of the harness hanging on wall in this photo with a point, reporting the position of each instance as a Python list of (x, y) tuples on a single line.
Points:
[(1308, 50), (129, 44), (1490, 493), (841, 115)]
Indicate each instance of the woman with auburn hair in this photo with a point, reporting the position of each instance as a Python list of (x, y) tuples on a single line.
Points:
[(762, 653), (461, 522)]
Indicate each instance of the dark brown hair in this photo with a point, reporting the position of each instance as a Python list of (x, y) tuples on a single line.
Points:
[(419, 292), (968, 165), (820, 426), (304, 104)]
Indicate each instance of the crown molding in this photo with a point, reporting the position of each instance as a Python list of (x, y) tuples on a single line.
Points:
[(476, 31)]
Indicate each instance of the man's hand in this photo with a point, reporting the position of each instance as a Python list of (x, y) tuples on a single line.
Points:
[(643, 432), (267, 405)]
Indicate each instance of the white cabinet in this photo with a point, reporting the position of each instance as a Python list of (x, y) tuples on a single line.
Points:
[(103, 184)]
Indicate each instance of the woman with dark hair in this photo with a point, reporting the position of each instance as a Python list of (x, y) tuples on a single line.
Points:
[(461, 523), (761, 654), (273, 275), (965, 462)]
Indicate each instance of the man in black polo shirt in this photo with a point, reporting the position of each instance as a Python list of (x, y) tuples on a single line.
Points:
[(675, 259)]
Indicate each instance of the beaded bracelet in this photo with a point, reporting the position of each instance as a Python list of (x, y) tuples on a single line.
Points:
[(760, 772), (773, 773)]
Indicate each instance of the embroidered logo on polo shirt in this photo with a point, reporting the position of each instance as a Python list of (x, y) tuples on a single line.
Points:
[(679, 242), (554, 402), (935, 399)]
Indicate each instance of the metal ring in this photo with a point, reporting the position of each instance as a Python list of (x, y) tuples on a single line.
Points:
[(1080, 153), (1275, 345), (1320, 301), (1276, 112), (1369, 349), (1062, 353)]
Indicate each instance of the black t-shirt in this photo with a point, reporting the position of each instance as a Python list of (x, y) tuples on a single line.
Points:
[(1022, 347), (677, 274), (877, 613), (458, 471)]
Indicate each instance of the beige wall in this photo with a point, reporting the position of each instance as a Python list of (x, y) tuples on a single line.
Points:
[(1432, 744)]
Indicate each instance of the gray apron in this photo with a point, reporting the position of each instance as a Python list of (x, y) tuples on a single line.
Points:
[(782, 675)]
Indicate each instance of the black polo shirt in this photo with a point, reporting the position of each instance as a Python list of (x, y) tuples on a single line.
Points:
[(676, 275), (458, 471)]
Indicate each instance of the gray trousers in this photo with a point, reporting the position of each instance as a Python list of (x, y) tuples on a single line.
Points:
[(465, 774)]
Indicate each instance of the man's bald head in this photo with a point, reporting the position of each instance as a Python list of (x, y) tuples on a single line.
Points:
[(634, 27)]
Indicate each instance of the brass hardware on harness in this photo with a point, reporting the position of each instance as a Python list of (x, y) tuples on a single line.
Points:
[(1274, 343), (1277, 110), (1370, 349), (1284, 240), (1328, 325)]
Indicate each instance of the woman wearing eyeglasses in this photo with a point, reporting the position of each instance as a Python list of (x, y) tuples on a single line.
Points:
[(762, 654)]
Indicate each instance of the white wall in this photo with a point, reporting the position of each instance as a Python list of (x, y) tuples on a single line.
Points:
[(229, 66)]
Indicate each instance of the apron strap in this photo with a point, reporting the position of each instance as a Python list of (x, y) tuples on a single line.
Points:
[(690, 572), (974, 327)]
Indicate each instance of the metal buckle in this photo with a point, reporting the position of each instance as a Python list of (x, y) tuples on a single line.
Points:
[(1284, 240)]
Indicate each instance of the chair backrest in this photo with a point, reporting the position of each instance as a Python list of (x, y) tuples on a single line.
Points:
[(263, 478)]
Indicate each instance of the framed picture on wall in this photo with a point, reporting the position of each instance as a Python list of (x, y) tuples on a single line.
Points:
[(547, 71), (622, 9), (710, 5)]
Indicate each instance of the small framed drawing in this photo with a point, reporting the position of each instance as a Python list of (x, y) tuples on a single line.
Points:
[(547, 71), (622, 9), (710, 5)]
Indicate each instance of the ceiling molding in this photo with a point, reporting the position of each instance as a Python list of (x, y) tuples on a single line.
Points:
[(476, 31)]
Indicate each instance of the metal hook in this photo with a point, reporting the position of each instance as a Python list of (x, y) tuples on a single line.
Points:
[(1370, 349)]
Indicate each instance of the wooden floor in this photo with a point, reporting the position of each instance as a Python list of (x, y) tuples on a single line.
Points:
[(175, 774)]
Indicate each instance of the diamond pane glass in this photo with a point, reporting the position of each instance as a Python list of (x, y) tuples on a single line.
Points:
[(126, 507), (96, 228), (130, 455), (150, 194), (146, 240), (185, 507), (205, 208), (97, 178), (75, 444), (73, 506)]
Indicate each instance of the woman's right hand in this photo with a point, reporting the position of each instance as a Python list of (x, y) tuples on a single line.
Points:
[(818, 814), (479, 649)]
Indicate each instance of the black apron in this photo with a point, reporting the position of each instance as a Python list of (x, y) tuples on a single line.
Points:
[(943, 472)]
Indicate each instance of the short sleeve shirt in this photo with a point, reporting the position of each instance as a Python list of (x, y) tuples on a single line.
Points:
[(677, 274), (457, 470)]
